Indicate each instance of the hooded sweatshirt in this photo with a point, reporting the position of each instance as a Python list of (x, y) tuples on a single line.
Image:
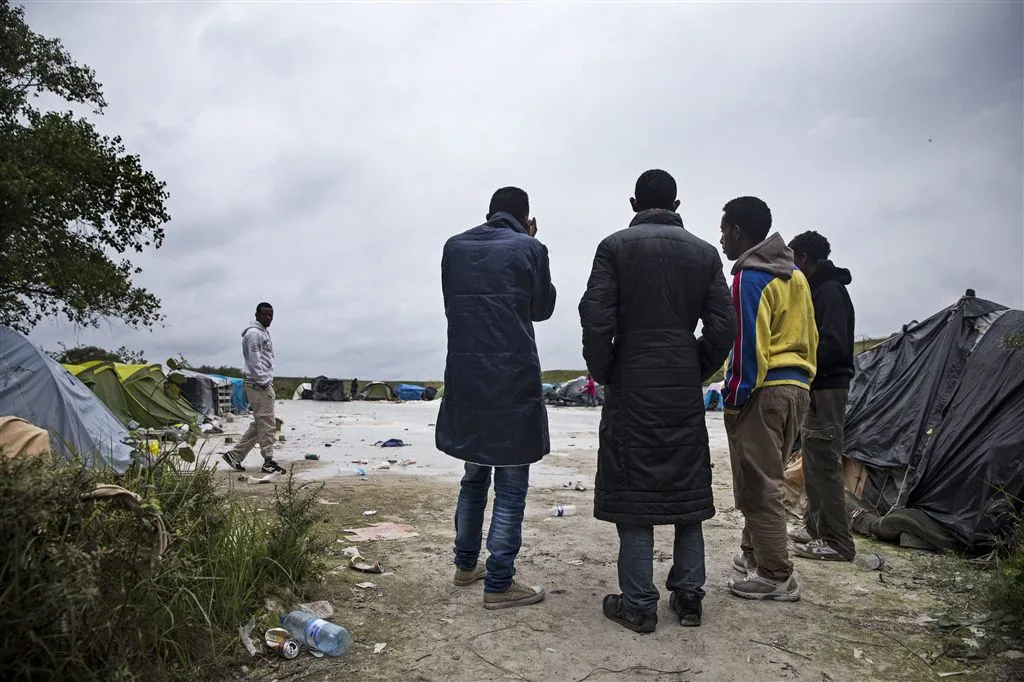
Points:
[(777, 340), (833, 313), (258, 353)]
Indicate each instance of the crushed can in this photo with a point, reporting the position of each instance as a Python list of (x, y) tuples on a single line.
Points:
[(280, 640), (312, 456)]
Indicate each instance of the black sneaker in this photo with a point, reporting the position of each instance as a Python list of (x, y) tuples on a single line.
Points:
[(272, 467), (615, 610), (688, 610), (237, 466)]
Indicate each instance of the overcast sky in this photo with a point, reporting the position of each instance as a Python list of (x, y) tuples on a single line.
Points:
[(318, 155)]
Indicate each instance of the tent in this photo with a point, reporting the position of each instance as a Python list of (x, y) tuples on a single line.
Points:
[(38, 389), (934, 417), (409, 392), (440, 392), (101, 378), (303, 392), (377, 391), (239, 402), (155, 402), (199, 390), (328, 389), (713, 397), (572, 392)]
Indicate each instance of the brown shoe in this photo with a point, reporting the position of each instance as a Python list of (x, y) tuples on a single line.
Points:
[(517, 594), (466, 577)]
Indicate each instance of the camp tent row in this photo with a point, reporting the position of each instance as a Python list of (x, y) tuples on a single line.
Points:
[(38, 389), (139, 394), (327, 389)]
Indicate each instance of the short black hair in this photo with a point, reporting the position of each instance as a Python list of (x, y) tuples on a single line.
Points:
[(815, 246), (263, 305), (752, 216), (510, 200), (655, 189)]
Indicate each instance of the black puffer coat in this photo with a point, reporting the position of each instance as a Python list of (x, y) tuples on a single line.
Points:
[(650, 285), (496, 283)]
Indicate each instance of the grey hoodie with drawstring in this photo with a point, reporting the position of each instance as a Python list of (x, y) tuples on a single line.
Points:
[(258, 353)]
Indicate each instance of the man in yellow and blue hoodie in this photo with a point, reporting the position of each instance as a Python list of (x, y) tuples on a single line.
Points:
[(767, 391)]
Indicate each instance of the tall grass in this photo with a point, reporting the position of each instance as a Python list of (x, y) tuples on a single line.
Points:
[(81, 600)]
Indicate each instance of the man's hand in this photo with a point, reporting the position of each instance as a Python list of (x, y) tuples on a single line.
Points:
[(531, 227)]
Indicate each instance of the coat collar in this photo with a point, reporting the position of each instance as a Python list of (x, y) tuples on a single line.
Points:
[(659, 216), (503, 219)]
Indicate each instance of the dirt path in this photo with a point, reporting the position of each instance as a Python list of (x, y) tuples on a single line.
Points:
[(848, 626)]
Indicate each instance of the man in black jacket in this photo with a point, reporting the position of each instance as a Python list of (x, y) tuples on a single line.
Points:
[(650, 285), (827, 522)]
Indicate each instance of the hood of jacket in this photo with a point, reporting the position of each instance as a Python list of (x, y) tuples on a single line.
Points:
[(503, 219), (827, 271), (254, 325), (659, 216), (771, 256)]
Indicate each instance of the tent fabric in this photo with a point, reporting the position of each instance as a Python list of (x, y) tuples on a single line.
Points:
[(934, 414), (712, 400), (38, 389), (409, 392), (238, 400), (377, 391), (101, 378), (198, 390), (328, 389), (22, 440), (574, 390), (302, 391), (155, 402)]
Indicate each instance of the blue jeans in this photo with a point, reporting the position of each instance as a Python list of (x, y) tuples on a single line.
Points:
[(506, 534), (636, 566)]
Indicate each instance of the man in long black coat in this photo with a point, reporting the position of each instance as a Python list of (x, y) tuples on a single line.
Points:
[(496, 284), (650, 285)]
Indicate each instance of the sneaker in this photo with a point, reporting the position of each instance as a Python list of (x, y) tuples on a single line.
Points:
[(615, 610), (517, 594), (688, 610), (743, 562), (818, 549), (755, 586), (799, 534), (237, 466), (466, 577), (272, 467)]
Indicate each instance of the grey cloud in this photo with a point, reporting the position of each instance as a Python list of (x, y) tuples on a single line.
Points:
[(318, 155)]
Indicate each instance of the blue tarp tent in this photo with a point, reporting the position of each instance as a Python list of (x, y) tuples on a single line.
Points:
[(712, 400), (38, 389), (238, 399), (409, 392)]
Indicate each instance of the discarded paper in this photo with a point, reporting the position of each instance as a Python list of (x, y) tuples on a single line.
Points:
[(369, 512), (269, 478), (365, 565), (366, 586), (320, 609), (379, 647), (245, 634)]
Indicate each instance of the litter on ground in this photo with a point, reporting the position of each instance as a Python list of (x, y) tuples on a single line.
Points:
[(381, 531)]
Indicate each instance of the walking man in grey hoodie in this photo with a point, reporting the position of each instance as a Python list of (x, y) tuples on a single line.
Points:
[(258, 356)]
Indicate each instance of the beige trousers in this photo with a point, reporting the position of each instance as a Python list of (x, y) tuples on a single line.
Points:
[(263, 427)]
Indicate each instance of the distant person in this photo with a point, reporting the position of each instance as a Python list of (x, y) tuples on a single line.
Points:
[(590, 392), (496, 283), (821, 439), (650, 285), (355, 388), (258, 358), (766, 391)]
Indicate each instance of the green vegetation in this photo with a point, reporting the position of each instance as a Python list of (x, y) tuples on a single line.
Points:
[(71, 199), (83, 596), (82, 354)]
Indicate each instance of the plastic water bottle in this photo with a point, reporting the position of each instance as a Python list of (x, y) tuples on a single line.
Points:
[(869, 562), (317, 633), (560, 510)]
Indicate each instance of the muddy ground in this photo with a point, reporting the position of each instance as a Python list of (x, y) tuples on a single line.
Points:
[(848, 626)]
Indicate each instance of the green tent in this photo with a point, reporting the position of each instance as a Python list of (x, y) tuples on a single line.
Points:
[(440, 392), (155, 401), (101, 378)]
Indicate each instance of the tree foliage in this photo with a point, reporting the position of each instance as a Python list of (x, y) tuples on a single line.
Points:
[(82, 354), (72, 201)]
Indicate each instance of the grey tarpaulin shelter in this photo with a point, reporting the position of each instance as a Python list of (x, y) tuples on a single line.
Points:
[(935, 415), (40, 390)]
